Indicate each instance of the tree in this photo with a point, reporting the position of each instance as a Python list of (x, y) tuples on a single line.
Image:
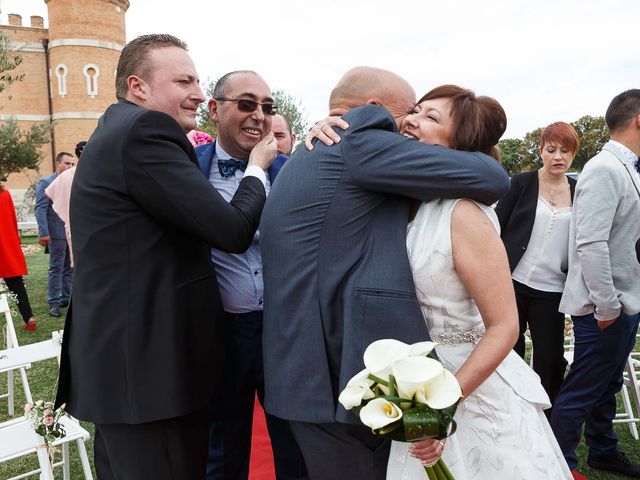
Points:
[(529, 151), (509, 150), (288, 107), (19, 150), (203, 119), (9, 60), (593, 134), (292, 110)]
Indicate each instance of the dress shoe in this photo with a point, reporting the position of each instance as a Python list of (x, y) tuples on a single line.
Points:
[(54, 310), (618, 463), (577, 475), (31, 326)]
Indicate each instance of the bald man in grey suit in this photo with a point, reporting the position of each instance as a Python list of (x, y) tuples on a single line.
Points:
[(337, 275)]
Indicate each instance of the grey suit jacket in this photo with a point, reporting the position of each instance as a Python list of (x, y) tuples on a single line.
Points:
[(49, 223), (337, 276), (604, 274)]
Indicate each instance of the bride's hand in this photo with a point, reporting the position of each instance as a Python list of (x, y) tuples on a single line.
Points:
[(323, 131), (427, 451)]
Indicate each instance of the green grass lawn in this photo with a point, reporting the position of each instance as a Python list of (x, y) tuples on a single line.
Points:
[(43, 379)]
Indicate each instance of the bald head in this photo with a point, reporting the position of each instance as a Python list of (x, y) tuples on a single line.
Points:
[(369, 85)]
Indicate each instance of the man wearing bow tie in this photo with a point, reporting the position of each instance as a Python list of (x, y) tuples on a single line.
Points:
[(242, 109)]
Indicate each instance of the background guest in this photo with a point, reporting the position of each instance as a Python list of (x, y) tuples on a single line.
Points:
[(534, 220), (12, 263), (285, 137), (52, 235), (602, 293)]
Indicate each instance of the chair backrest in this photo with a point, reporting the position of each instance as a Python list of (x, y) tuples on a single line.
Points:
[(20, 357), (5, 310)]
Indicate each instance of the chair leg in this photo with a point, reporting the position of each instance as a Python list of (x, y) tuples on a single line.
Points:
[(46, 472), (66, 462), (626, 401), (10, 399), (84, 458)]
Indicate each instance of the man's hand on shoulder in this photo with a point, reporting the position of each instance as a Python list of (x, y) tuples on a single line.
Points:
[(265, 151)]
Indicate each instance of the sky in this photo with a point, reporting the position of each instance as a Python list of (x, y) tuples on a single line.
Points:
[(543, 60)]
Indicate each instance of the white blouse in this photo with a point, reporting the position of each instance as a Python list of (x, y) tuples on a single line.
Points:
[(546, 258)]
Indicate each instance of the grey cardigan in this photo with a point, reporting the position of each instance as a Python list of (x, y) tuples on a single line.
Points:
[(604, 273)]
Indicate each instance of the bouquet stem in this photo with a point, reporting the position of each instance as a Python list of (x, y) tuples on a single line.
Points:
[(439, 471)]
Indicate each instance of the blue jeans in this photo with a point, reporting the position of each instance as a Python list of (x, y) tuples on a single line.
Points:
[(60, 272), (588, 394)]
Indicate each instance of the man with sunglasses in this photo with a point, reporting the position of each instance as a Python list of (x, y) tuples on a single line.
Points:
[(242, 109)]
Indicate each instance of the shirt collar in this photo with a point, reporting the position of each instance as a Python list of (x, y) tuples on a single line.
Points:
[(625, 152), (221, 154)]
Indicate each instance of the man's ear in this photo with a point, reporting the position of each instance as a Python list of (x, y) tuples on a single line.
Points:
[(212, 106), (138, 88)]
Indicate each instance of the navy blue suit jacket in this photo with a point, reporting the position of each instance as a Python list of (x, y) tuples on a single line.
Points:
[(205, 157)]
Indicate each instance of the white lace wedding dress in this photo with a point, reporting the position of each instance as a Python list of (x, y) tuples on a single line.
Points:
[(502, 431)]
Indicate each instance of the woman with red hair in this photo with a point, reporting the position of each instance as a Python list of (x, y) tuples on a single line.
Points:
[(534, 219)]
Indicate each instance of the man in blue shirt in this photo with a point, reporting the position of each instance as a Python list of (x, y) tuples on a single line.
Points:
[(51, 234), (242, 109)]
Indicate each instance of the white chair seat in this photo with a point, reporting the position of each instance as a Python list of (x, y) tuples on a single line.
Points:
[(18, 438)]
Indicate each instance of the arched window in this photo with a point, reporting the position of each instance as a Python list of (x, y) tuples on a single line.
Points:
[(91, 73), (61, 74)]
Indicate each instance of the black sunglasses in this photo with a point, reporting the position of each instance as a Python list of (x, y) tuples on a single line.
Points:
[(249, 106)]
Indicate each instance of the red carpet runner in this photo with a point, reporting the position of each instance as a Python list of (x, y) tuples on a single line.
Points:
[(261, 465)]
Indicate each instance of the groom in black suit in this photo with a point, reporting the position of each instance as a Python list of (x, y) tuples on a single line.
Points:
[(336, 270), (141, 353)]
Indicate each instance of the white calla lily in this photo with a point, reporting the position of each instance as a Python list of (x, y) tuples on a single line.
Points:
[(357, 389), (414, 373), (379, 413), (379, 356), (421, 349), (441, 392)]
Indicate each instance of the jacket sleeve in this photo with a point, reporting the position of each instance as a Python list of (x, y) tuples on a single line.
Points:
[(161, 176), (41, 208), (382, 160), (596, 201)]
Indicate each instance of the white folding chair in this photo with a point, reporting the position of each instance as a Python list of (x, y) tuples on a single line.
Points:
[(11, 342), (17, 437)]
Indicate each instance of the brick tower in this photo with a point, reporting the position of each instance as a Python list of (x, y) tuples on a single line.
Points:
[(69, 71)]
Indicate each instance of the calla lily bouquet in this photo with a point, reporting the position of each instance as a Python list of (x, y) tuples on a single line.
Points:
[(405, 394)]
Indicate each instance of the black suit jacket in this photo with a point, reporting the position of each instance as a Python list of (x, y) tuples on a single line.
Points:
[(141, 341), (517, 213)]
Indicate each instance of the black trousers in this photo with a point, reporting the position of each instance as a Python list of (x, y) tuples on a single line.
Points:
[(231, 410), (336, 451), (539, 310), (172, 449), (16, 285)]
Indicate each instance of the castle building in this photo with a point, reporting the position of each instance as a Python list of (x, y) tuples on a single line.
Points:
[(69, 72)]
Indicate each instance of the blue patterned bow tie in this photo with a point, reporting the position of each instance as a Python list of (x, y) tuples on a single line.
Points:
[(229, 166)]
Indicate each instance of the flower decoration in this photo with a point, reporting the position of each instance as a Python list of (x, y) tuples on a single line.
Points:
[(405, 394), (197, 137), (45, 420)]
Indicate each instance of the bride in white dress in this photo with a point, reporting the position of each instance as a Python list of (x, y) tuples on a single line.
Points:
[(464, 287)]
